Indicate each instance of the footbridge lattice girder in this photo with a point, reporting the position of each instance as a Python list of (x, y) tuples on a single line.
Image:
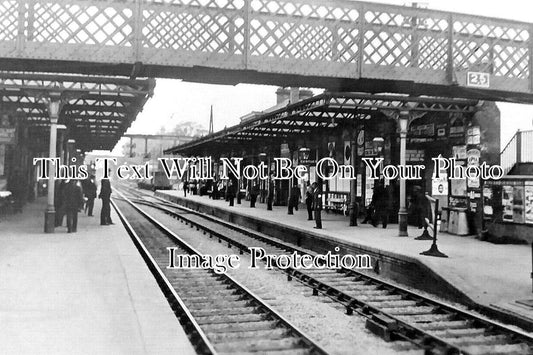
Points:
[(344, 40)]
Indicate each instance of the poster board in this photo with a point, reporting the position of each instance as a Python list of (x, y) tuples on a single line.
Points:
[(518, 204), (369, 191), (507, 203), (528, 202), (439, 187)]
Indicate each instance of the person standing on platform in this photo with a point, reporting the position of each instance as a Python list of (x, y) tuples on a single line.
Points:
[(317, 204), (238, 192), (417, 206), (105, 196), (214, 194), (309, 202), (90, 194), (370, 209), (253, 194), (230, 192), (294, 199), (72, 204), (18, 187), (298, 194), (380, 200), (185, 188), (270, 193), (59, 202)]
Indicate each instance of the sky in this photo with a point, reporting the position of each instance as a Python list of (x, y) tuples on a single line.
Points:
[(176, 101)]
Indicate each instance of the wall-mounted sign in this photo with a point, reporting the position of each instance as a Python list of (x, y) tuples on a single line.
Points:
[(457, 131), (473, 156), (7, 135), (331, 149), (361, 143), (528, 205), (439, 187), (477, 79), (518, 204), (347, 152), (369, 190), (423, 130), (473, 183), (507, 203), (459, 151), (458, 187), (473, 135)]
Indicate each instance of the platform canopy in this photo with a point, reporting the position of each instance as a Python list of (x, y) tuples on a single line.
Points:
[(317, 115), (96, 110)]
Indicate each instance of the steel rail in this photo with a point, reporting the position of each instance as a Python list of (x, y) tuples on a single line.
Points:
[(313, 347), (352, 303), (201, 343)]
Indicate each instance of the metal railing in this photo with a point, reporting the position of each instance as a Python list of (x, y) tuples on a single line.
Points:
[(336, 39), (518, 150)]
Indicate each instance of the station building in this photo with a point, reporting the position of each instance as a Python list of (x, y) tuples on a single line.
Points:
[(349, 127)]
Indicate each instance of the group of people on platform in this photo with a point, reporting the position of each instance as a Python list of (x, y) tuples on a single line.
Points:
[(73, 196), (377, 212)]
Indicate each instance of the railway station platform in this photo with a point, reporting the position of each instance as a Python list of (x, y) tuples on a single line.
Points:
[(486, 276), (88, 292)]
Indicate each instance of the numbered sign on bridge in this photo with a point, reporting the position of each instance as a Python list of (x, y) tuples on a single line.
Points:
[(479, 80)]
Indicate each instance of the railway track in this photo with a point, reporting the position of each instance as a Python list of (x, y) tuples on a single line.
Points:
[(220, 315), (393, 312)]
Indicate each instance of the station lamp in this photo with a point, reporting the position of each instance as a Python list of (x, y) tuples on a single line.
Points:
[(303, 154), (403, 121), (53, 108), (377, 144)]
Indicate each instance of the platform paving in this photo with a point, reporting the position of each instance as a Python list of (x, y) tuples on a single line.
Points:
[(487, 273), (88, 292)]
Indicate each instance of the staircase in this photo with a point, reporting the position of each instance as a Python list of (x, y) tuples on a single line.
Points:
[(517, 156)]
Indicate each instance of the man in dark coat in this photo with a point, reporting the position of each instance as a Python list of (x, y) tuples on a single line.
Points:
[(270, 193), (381, 202), (418, 204), (253, 194), (105, 195), (216, 193), (309, 202), (90, 193), (294, 199), (72, 203), (317, 205), (58, 202), (18, 187), (230, 192), (185, 188)]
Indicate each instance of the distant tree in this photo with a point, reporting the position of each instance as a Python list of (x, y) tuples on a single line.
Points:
[(189, 129)]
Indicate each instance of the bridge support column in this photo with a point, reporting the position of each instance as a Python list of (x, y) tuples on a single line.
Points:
[(403, 121), (50, 213)]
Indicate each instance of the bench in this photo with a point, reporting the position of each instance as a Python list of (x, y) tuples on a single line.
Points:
[(337, 202)]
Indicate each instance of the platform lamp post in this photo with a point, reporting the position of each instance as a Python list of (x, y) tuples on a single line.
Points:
[(54, 105), (403, 121), (353, 208)]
